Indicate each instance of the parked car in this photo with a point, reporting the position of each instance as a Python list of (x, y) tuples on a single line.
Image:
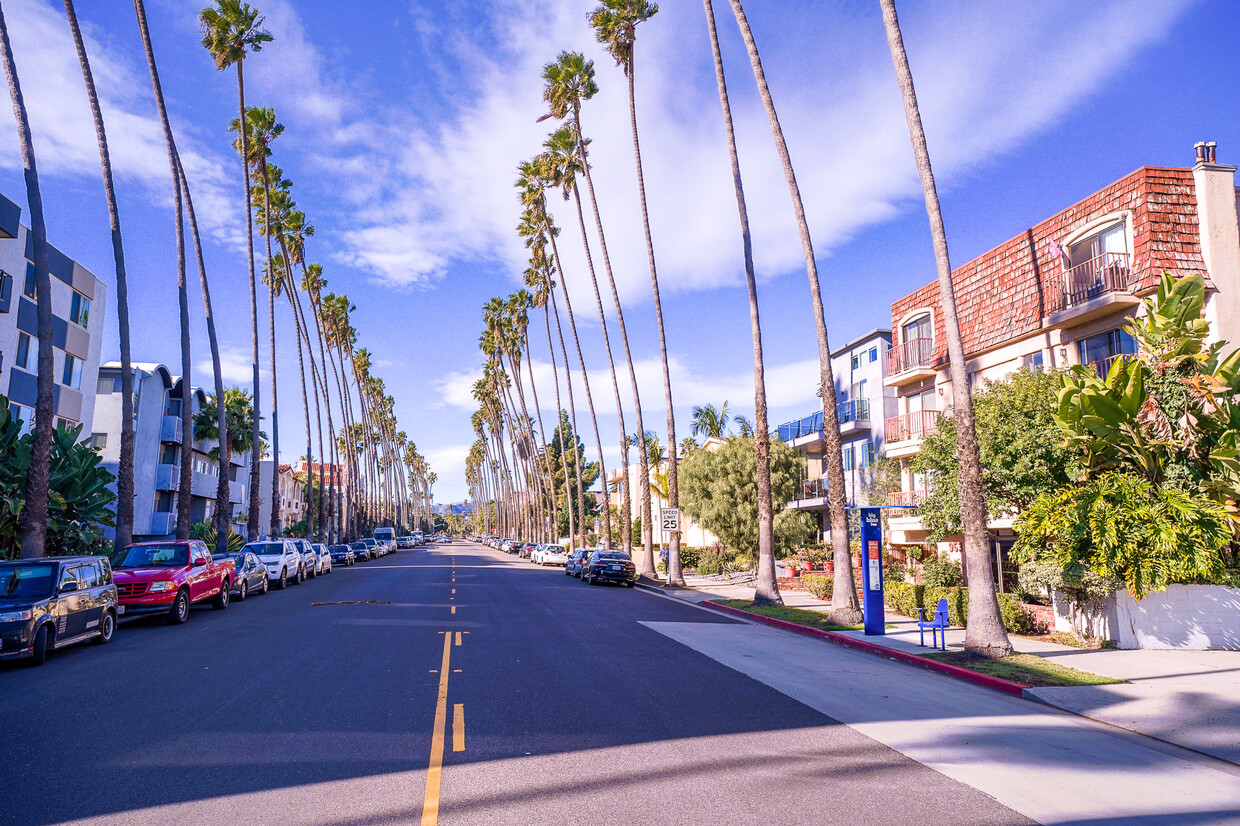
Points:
[(282, 560), (325, 558), (168, 577), (251, 574), (361, 551), (342, 554), (610, 566), (386, 537), (577, 561), (404, 543), (550, 555), (53, 603), (373, 547), (309, 558)]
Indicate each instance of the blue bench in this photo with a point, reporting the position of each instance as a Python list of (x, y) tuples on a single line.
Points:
[(937, 625)]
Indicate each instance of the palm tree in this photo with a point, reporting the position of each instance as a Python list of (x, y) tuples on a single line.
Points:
[(766, 590), (570, 82), (744, 427), (230, 30), (238, 416), (223, 506), (709, 422), (984, 632), (32, 526), (124, 474), (185, 479), (844, 605), (615, 24)]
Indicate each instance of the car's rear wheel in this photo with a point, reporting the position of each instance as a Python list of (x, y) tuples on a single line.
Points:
[(297, 577), (243, 591), (282, 582), (266, 585), (221, 599), (107, 627), (42, 643), (179, 612)]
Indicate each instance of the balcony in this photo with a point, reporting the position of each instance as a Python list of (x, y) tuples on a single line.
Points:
[(167, 477), (1093, 288), (170, 429), (852, 414), (236, 493), (162, 524), (907, 498), (1103, 366), (911, 361), (904, 433)]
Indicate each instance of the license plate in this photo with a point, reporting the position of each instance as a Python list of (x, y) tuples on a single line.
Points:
[(120, 609), (615, 568)]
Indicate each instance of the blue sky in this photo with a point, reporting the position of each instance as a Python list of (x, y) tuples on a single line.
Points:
[(405, 122)]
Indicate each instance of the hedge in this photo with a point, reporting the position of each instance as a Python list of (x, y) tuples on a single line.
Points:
[(819, 586), (906, 599)]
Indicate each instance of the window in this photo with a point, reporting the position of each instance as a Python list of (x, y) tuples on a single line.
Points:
[(105, 387), (79, 310), (856, 361), (1112, 239), (919, 328), (848, 457), (1102, 349), (88, 575), (65, 424), (71, 376), (868, 454), (27, 352), (98, 441), (28, 289), (69, 574), (873, 354), (1033, 361)]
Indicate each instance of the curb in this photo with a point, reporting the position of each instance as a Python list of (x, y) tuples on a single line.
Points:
[(995, 683)]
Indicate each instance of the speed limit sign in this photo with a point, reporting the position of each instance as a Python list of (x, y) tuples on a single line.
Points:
[(670, 519)]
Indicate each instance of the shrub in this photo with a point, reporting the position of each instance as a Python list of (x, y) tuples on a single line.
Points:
[(906, 599), (712, 562), (957, 602), (819, 586), (937, 572), (1015, 619), (903, 598)]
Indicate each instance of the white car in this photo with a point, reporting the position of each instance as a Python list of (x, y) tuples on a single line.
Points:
[(281, 558), (325, 558), (550, 555), (309, 557)]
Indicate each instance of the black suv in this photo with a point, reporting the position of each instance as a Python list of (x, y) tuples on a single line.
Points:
[(54, 602)]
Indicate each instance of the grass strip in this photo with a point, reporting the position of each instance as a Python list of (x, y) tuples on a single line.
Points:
[(1028, 670), (800, 616)]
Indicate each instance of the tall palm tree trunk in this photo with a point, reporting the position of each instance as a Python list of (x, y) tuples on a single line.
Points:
[(542, 438), (274, 527), (984, 632), (559, 432), (124, 474), (223, 506), (252, 528), (32, 524), (185, 479), (674, 574), (572, 411), (605, 540), (305, 407), (767, 589), (844, 605), (645, 564)]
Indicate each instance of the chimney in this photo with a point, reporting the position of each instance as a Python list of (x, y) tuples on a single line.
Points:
[(1210, 147), (1205, 151), (1200, 148)]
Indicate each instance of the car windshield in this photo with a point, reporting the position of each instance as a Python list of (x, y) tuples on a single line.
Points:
[(358, 546), (27, 581), (615, 556), (266, 548), (145, 556)]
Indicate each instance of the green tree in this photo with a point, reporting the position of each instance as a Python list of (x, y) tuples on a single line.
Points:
[(719, 490), (565, 450), (709, 422), (1022, 450)]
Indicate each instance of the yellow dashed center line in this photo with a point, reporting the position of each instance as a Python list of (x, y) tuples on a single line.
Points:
[(434, 772), (458, 727)]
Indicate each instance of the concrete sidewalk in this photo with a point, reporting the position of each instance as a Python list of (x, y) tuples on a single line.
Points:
[(1189, 698)]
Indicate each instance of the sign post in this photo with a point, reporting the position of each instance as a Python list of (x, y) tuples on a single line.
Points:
[(872, 571)]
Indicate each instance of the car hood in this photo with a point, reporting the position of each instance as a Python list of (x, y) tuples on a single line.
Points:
[(152, 574)]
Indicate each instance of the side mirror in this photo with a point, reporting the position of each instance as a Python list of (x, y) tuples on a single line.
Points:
[(67, 587), (199, 562)]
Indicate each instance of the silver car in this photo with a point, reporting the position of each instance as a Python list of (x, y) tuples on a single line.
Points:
[(325, 558)]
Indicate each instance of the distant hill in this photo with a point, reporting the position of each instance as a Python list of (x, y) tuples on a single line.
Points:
[(458, 508)]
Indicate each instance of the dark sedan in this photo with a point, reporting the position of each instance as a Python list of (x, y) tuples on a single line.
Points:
[(361, 551), (611, 566), (343, 554), (251, 574)]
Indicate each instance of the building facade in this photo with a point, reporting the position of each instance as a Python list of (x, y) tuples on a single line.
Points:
[(291, 507), (157, 451), (863, 404), (1060, 294), (78, 301)]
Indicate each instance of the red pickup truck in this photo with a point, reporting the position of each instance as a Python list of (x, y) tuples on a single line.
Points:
[(168, 577)]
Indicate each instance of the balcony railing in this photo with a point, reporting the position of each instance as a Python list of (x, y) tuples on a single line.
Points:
[(1103, 366), (812, 489), (170, 429), (907, 498), (1102, 274), (912, 354), (847, 410), (911, 426), (162, 524), (236, 493), (167, 477)]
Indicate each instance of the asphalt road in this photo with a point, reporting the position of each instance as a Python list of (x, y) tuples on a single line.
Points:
[(327, 703)]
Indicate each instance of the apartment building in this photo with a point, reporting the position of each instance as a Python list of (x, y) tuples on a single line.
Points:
[(78, 300), (863, 404), (157, 451), (291, 507), (1059, 294), (692, 534)]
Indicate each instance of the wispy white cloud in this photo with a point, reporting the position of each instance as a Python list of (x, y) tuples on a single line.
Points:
[(236, 367)]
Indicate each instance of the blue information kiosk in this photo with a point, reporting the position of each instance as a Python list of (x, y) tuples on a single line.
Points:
[(872, 571)]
